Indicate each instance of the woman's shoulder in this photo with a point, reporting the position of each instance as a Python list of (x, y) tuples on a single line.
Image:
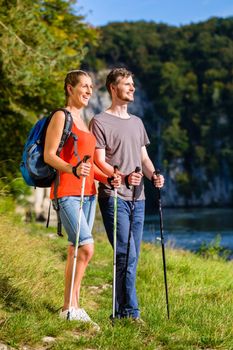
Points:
[(57, 117)]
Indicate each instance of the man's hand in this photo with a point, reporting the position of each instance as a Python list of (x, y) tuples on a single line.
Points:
[(115, 180), (133, 179), (157, 180)]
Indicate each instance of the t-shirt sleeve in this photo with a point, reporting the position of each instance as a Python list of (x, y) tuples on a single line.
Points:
[(144, 137), (98, 132)]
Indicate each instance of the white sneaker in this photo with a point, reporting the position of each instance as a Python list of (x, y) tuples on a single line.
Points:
[(82, 315), (72, 314), (78, 315)]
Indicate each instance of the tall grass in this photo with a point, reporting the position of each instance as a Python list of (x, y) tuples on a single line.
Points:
[(31, 292)]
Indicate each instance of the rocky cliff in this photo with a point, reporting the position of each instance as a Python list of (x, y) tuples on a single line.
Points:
[(217, 191)]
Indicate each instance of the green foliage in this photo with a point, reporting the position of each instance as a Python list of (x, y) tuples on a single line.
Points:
[(183, 183), (12, 138), (187, 74), (214, 250), (39, 42), (175, 140)]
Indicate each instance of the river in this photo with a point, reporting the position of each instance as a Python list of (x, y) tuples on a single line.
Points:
[(190, 228)]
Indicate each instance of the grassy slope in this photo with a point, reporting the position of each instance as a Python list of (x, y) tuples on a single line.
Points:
[(31, 288)]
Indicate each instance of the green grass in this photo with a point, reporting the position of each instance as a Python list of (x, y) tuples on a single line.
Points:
[(31, 292)]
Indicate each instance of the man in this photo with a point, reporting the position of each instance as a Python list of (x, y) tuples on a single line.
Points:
[(122, 140)]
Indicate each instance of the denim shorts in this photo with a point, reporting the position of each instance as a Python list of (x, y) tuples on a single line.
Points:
[(69, 213)]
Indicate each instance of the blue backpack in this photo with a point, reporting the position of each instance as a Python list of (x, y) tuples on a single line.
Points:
[(33, 168)]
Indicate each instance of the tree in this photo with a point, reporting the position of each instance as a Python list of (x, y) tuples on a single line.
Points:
[(39, 42)]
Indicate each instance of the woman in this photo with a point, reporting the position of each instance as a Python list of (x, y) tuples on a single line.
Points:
[(78, 89)]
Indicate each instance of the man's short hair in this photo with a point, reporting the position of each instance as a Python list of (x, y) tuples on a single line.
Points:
[(114, 75)]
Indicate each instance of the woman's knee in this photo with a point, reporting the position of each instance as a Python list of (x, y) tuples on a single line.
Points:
[(86, 252)]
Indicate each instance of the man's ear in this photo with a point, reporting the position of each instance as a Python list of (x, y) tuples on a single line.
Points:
[(112, 87)]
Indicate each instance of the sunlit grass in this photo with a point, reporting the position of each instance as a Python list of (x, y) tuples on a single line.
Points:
[(31, 292)]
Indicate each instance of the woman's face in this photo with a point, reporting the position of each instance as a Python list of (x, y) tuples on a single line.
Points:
[(81, 93)]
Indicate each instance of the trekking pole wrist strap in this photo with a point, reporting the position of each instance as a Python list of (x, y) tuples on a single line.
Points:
[(152, 176), (127, 181), (74, 168)]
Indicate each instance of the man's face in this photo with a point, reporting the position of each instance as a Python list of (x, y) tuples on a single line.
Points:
[(125, 89)]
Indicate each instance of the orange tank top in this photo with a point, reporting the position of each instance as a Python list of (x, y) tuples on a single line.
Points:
[(70, 185)]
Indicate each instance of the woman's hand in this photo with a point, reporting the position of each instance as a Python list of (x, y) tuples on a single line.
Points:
[(83, 169)]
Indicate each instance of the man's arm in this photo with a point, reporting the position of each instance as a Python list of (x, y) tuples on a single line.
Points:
[(101, 168), (101, 163), (148, 169), (147, 165)]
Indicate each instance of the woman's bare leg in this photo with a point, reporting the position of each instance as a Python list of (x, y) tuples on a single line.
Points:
[(85, 254)]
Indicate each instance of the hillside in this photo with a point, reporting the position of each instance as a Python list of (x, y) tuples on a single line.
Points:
[(31, 286)]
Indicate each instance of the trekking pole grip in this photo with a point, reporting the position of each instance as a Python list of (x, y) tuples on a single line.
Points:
[(85, 158), (115, 168), (137, 170), (157, 173)]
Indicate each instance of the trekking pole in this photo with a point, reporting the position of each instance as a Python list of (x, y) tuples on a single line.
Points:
[(114, 251), (137, 170), (162, 244), (85, 158)]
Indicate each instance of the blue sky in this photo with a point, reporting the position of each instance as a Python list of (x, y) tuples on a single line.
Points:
[(175, 12)]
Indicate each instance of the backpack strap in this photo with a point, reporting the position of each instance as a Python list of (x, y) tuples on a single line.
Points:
[(75, 137)]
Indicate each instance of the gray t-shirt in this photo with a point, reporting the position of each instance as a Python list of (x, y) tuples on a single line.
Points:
[(122, 140)]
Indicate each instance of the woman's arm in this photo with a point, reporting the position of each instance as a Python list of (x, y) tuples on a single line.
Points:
[(52, 140), (114, 179)]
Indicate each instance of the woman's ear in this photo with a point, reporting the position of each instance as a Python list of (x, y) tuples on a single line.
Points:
[(70, 89)]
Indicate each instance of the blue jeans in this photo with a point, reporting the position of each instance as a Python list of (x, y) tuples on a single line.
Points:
[(127, 252), (69, 212)]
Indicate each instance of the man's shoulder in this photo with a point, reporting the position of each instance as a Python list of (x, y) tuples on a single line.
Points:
[(99, 116), (136, 118)]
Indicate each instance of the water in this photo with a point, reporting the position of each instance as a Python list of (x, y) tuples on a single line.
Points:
[(190, 228)]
